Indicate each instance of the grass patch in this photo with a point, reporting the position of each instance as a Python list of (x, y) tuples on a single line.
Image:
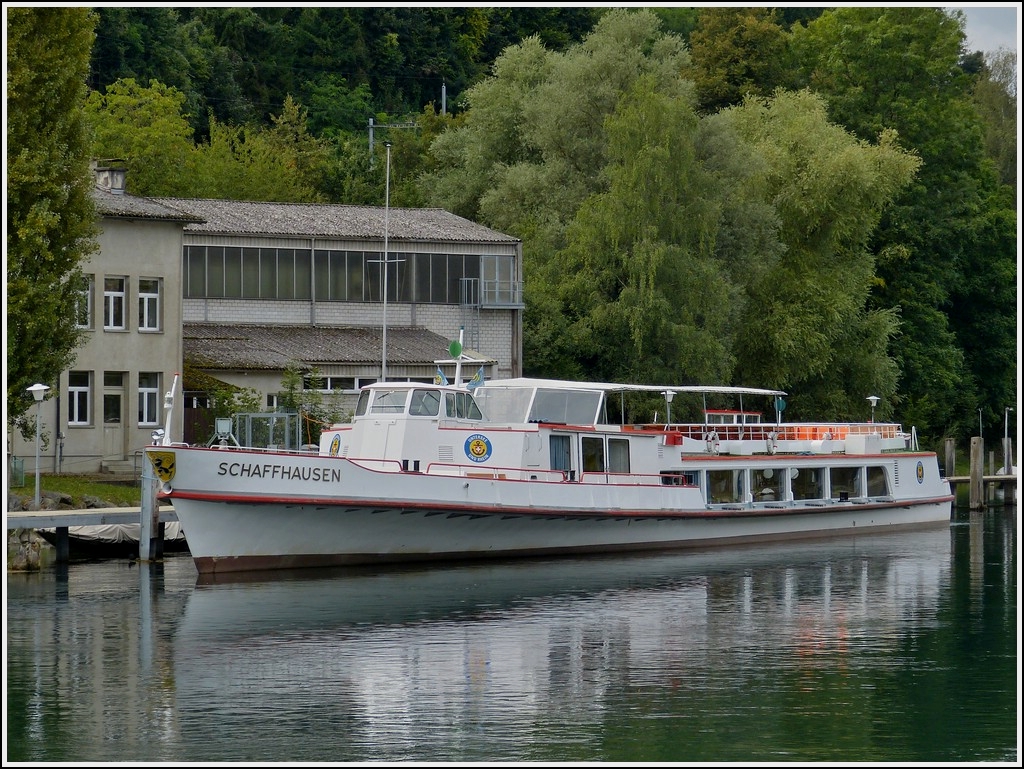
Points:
[(78, 487)]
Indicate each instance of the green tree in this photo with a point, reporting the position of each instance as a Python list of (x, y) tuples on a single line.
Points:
[(737, 52), (283, 164), (636, 251), (51, 219), (145, 126), (806, 323), (995, 96), (533, 147), (901, 68)]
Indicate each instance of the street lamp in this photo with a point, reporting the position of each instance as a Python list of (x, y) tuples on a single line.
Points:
[(1007, 454), (874, 401), (669, 395), (38, 391)]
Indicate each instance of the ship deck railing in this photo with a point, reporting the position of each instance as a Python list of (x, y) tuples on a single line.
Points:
[(761, 431)]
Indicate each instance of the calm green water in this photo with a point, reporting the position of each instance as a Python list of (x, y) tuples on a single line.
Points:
[(894, 648)]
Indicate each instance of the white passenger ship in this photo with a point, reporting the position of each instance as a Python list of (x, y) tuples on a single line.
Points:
[(524, 467)]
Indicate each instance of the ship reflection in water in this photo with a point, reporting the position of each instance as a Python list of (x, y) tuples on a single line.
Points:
[(713, 655)]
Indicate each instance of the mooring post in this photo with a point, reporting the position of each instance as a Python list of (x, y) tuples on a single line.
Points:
[(950, 457), (977, 485), (149, 517)]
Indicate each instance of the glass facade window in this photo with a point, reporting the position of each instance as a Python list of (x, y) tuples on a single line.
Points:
[(347, 276)]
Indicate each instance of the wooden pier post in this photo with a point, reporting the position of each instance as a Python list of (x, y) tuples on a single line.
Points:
[(950, 457), (150, 529), (977, 486)]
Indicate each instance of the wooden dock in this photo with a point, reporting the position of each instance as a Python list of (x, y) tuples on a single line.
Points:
[(1010, 480), (62, 520), (100, 516)]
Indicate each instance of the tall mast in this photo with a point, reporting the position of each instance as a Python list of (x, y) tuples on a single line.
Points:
[(384, 266)]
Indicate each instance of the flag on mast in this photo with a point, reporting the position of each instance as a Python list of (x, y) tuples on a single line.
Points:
[(440, 378), (477, 380)]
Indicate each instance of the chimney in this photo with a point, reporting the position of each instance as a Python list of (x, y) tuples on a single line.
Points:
[(110, 175)]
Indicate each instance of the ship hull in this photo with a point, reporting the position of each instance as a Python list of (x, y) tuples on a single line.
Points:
[(255, 510)]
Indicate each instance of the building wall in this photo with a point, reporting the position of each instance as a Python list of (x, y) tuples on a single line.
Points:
[(133, 250)]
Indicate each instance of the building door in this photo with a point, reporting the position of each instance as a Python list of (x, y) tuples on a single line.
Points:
[(113, 415)]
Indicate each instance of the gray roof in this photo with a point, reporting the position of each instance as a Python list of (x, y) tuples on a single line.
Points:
[(134, 207), (332, 221), (273, 347)]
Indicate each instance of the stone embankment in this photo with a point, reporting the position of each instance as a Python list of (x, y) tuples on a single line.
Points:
[(26, 549)]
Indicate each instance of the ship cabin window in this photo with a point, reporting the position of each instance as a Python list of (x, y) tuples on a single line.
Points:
[(679, 478), (388, 401), (844, 481), (425, 403), (807, 482), (461, 406), (766, 483), (732, 417), (593, 454), (560, 453), (597, 455), (878, 482), (618, 455), (571, 407), (726, 486), (362, 403)]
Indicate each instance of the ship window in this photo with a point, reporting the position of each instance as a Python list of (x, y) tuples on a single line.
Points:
[(766, 483), (845, 480), (559, 448), (593, 454), (807, 482), (425, 403), (388, 402), (878, 485), (362, 403), (725, 486), (462, 406), (618, 455)]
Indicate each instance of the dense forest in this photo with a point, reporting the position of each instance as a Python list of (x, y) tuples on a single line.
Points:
[(819, 200)]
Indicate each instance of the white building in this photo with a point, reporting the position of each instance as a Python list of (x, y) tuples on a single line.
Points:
[(240, 290)]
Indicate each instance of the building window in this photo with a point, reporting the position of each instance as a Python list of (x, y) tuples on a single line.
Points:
[(498, 284), (149, 390), (149, 304), (113, 304), (83, 309), (215, 272), (113, 389), (79, 396)]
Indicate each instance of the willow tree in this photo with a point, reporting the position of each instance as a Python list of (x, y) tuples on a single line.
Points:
[(647, 300), (51, 220), (806, 322), (534, 147)]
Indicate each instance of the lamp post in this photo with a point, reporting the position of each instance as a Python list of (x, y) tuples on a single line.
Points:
[(873, 399), (669, 395), (1007, 455), (38, 391)]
